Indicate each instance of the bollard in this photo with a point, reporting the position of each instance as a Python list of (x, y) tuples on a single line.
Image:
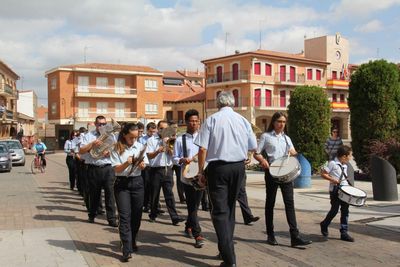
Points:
[(304, 179)]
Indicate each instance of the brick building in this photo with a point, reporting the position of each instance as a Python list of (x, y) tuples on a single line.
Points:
[(261, 81)]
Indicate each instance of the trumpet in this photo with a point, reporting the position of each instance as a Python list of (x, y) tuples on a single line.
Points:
[(106, 133)]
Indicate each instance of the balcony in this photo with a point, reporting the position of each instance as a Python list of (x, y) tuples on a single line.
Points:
[(6, 114), (335, 83), (289, 78), (240, 76), (274, 103), (339, 105), (7, 91), (242, 102), (118, 116), (111, 92)]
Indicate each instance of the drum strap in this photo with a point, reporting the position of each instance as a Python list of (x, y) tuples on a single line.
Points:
[(185, 154), (343, 175), (264, 153)]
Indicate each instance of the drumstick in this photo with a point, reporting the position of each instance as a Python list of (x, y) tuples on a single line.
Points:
[(287, 161)]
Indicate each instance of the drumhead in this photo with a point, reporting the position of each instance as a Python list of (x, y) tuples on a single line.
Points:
[(353, 191), (191, 170), (283, 166)]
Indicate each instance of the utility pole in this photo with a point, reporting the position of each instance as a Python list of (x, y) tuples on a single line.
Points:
[(84, 53)]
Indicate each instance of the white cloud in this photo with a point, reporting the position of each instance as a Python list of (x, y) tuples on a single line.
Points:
[(360, 8), (371, 26)]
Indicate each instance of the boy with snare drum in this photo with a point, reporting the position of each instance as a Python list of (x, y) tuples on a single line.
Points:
[(336, 173)]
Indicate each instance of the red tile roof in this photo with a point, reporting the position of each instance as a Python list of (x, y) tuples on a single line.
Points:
[(110, 67), (173, 74), (192, 74)]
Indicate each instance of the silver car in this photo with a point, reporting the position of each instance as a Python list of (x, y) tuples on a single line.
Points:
[(5, 158), (17, 152)]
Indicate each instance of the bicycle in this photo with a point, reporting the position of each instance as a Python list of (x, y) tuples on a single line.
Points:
[(37, 165)]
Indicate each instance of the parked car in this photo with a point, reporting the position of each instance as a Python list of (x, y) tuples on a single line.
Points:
[(17, 152), (5, 158)]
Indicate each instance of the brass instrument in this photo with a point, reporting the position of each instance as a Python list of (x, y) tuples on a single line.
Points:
[(106, 136), (168, 135)]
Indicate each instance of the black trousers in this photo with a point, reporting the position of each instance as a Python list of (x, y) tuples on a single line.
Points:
[(101, 178), (83, 177), (179, 184), (147, 187), (71, 171), (205, 202), (193, 198), (42, 156), (243, 202), (161, 179), (224, 182), (336, 203), (129, 194), (78, 165), (287, 194)]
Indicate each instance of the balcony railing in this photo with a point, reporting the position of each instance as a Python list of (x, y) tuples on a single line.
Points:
[(337, 83), (120, 116), (271, 102), (339, 105), (228, 77), (105, 92), (6, 89), (289, 78), (239, 103)]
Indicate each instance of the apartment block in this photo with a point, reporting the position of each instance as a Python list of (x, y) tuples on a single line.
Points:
[(262, 81), (8, 101), (78, 93)]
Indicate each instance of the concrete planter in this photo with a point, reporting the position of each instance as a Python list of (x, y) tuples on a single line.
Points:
[(384, 181), (304, 179)]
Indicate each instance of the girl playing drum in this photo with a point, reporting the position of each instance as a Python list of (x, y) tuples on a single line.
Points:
[(276, 144), (336, 174)]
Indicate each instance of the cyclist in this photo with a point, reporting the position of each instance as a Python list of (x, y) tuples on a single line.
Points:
[(40, 149)]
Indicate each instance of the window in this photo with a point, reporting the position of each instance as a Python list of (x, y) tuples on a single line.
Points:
[(257, 68), (236, 97), (334, 98), (268, 98), (342, 98), (170, 115), (318, 75), (257, 97), (83, 84), (219, 74), (292, 74), (119, 85), (268, 69), (151, 109), (180, 117), (309, 74), (150, 85), (101, 108), (282, 99), (235, 72), (83, 109), (53, 83), (218, 92), (53, 108), (101, 82), (119, 109), (334, 75), (282, 73)]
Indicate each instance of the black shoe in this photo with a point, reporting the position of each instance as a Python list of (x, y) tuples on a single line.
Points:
[(298, 241), (272, 241), (205, 208), (146, 210), (100, 212), (160, 211), (182, 201), (152, 219), (126, 257), (252, 219), (346, 237), (134, 246), (324, 230), (177, 221), (223, 264), (91, 220), (113, 223)]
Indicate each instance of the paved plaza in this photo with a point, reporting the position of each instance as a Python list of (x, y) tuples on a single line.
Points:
[(43, 223)]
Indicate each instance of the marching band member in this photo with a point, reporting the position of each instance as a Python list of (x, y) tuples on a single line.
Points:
[(184, 152), (69, 149), (224, 140), (128, 187), (277, 144), (161, 175), (176, 168), (100, 175), (334, 173)]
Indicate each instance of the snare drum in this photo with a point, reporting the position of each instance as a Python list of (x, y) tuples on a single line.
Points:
[(285, 170), (189, 175), (352, 195)]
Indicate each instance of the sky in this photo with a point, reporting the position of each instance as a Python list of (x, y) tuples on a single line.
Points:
[(36, 36)]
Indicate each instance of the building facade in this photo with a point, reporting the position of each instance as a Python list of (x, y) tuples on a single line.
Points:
[(78, 93), (8, 101), (262, 81)]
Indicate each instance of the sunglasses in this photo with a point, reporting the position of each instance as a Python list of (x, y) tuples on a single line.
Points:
[(101, 124)]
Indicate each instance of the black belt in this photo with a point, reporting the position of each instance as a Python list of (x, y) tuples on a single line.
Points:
[(98, 166), (225, 162), (162, 167), (127, 177)]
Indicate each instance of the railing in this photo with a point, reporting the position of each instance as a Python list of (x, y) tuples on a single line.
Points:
[(331, 82), (86, 90), (228, 77), (286, 77), (271, 102), (7, 89), (240, 103), (115, 115), (9, 114)]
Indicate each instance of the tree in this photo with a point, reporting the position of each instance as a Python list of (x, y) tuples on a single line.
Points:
[(309, 122), (373, 100)]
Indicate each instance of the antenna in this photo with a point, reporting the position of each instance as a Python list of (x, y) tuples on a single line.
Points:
[(377, 52), (226, 41), (259, 28), (84, 53)]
